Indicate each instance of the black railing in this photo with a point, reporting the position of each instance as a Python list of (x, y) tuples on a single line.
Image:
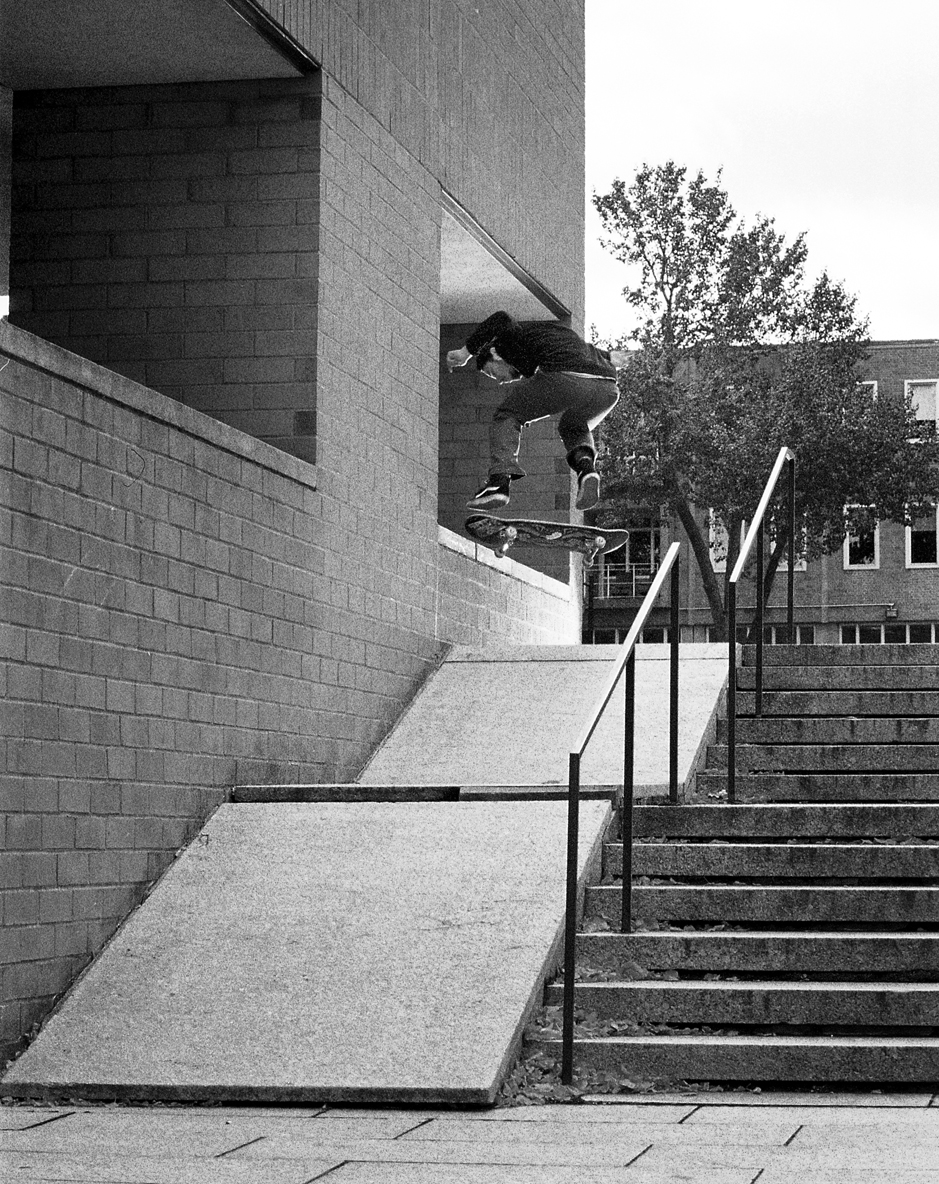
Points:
[(756, 534), (625, 661)]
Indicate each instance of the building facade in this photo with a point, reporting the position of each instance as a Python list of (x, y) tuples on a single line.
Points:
[(881, 587), (236, 238)]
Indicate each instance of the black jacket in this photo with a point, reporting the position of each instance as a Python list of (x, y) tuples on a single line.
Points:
[(530, 345)]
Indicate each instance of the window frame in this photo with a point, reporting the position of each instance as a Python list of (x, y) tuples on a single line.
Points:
[(845, 551), (908, 556), (908, 384)]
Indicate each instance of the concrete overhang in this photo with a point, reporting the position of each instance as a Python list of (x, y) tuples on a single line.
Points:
[(477, 277), (51, 44)]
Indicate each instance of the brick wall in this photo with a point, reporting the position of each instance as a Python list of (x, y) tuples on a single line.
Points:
[(488, 97), (170, 234), (188, 607), (480, 596)]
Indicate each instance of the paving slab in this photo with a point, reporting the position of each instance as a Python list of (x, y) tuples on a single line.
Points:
[(782, 1174), (19, 1120), (140, 1169), (523, 709), (356, 1173), (767, 1132), (611, 1149), (297, 952)]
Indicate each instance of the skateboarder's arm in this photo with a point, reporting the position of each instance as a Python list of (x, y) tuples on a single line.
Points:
[(458, 357)]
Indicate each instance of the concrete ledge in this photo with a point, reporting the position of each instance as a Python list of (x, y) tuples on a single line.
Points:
[(349, 952), (510, 714), (508, 567)]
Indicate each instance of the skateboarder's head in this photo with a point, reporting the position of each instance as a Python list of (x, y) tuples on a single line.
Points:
[(490, 363)]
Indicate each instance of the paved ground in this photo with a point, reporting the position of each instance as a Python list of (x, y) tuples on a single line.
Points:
[(658, 1139)]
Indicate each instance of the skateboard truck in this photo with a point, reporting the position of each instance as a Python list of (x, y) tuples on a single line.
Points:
[(507, 537)]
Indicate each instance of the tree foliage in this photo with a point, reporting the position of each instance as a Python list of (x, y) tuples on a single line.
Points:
[(740, 353)]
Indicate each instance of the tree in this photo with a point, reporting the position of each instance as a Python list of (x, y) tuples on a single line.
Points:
[(739, 353)]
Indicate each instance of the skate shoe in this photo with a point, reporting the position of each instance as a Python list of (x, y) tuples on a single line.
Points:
[(588, 489), (494, 493)]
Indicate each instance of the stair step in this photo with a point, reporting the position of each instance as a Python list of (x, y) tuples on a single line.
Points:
[(866, 730), (921, 653), (764, 952), (840, 703), (779, 861), (791, 821), (823, 787), (841, 678), (766, 1003), (757, 1058), (856, 905), (796, 730), (885, 758)]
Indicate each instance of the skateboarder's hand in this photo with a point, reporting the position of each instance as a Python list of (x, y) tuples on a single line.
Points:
[(458, 357)]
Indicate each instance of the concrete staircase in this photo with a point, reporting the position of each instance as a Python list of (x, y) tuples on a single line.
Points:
[(794, 935)]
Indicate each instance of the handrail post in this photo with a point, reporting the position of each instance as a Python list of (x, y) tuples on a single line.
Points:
[(731, 689), (625, 664), (760, 559), (626, 826), (790, 583), (673, 692), (570, 919)]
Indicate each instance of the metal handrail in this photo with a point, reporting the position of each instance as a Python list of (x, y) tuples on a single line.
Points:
[(756, 533), (625, 661)]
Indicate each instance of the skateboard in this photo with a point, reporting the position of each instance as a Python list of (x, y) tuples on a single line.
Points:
[(501, 533)]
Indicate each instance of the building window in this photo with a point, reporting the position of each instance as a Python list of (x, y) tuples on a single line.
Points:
[(869, 386), (891, 633), (773, 634), (922, 395), (862, 548), (651, 635), (779, 635), (922, 541)]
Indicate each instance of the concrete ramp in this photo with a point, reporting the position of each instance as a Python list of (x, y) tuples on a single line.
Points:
[(509, 716), (297, 952)]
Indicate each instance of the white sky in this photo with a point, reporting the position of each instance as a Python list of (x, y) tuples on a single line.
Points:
[(823, 113)]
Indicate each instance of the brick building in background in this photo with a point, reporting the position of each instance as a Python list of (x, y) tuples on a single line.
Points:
[(236, 237), (882, 587)]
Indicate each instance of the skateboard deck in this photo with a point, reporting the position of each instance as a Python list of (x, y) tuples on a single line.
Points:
[(502, 533)]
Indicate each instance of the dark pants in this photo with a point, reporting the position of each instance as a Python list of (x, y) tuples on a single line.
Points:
[(581, 401)]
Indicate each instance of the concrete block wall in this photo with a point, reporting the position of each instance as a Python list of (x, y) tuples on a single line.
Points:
[(489, 98), (187, 606), (170, 233), (184, 611)]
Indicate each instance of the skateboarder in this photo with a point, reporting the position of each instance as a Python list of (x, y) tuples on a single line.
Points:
[(549, 371)]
